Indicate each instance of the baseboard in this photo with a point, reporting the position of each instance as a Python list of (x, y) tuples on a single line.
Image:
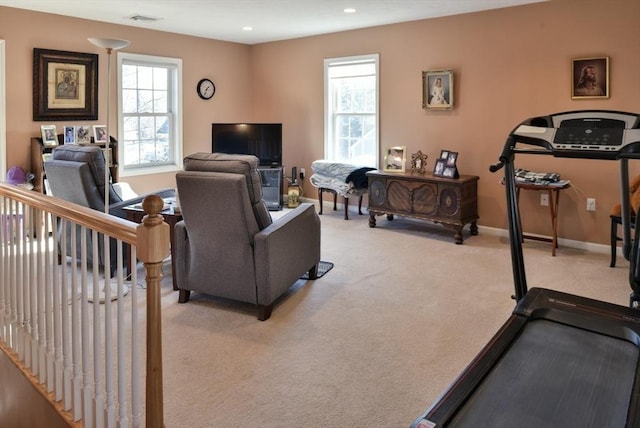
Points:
[(570, 243)]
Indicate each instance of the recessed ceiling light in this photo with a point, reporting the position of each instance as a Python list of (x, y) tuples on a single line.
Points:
[(247, 28), (349, 10)]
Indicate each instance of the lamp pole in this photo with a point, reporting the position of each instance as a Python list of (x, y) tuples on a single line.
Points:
[(109, 45)]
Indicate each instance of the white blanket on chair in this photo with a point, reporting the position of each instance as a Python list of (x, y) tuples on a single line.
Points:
[(333, 175)]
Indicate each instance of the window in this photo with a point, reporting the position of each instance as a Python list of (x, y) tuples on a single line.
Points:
[(150, 114), (351, 110)]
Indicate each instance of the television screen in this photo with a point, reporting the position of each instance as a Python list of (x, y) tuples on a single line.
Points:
[(263, 140)]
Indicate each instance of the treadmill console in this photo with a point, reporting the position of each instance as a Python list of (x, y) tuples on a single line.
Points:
[(589, 133)]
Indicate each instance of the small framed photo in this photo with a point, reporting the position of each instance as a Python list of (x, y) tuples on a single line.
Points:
[(437, 90), (418, 162), (444, 154), (438, 169), (69, 134), (452, 158), (100, 133), (590, 78), (395, 159), (49, 135), (449, 172), (82, 134)]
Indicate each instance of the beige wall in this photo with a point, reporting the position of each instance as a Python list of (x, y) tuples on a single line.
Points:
[(509, 64), (227, 64)]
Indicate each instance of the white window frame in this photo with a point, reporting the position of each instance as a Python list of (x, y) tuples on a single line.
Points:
[(329, 122), (176, 108)]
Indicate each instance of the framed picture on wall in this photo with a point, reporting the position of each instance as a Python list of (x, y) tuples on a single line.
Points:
[(395, 159), (65, 85), (437, 89), (590, 77)]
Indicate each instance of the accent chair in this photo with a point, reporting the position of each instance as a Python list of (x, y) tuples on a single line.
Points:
[(77, 174), (227, 244)]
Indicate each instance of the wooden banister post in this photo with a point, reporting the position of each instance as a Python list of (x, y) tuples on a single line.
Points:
[(152, 248)]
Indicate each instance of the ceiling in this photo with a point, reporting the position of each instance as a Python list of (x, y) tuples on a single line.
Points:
[(270, 20)]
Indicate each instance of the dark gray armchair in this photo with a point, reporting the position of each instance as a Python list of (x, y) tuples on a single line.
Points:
[(77, 174), (227, 245)]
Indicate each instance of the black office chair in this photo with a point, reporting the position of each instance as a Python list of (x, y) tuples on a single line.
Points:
[(616, 220)]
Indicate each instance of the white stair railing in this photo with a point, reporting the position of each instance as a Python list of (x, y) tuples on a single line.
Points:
[(70, 323)]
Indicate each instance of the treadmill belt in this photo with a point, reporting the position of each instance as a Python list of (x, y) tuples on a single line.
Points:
[(555, 375)]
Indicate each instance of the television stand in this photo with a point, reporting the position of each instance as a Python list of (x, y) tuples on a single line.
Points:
[(272, 186)]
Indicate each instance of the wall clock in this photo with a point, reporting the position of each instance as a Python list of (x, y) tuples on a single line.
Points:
[(206, 89)]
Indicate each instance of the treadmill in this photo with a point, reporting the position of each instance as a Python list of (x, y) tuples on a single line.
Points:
[(560, 360)]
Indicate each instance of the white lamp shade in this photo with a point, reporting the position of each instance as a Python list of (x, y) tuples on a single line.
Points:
[(105, 43)]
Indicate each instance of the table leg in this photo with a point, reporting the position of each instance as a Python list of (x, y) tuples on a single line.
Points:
[(554, 199)]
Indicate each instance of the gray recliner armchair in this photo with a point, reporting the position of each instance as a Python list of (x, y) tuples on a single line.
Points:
[(77, 174), (227, 244)]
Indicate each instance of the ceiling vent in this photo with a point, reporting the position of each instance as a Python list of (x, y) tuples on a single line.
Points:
[(142, 18)]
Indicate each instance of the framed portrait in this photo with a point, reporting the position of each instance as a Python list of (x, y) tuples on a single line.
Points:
[(69, 134), (437, 89), (449, 172), (444, 154), (438, 169), (452, 158), (49, 135), (395, 159), (65, 85), (99, 133), (590, 78), (418, 162), (83, 135)]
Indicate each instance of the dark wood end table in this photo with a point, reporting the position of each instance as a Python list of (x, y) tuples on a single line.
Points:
[(135, 213)]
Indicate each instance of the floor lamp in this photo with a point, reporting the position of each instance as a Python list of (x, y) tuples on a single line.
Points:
[(110, 45)]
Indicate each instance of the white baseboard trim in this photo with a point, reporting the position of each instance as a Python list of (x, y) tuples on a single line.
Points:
[(579, 245)]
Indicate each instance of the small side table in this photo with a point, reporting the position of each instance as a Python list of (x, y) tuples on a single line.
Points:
[(135, 213), (554, 197)]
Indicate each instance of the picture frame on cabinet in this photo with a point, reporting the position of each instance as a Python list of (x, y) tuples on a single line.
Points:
[(437, 89), (418, 162), (83, 135), (69, 134), (438, 169), (395, 159), (49, 135), (65, 85), (99, 133)]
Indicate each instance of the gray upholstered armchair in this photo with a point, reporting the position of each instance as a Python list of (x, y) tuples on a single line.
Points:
[(77, 174), (227, 245)]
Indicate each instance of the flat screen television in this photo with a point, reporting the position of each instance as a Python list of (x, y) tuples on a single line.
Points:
[(263, 140)]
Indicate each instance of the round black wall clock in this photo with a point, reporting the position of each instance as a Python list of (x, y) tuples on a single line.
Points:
[(206, 89)]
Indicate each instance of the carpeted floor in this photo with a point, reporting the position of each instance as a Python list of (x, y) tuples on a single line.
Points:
[(374, 342)]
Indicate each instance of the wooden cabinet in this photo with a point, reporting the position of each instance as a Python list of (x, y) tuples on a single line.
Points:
[(39, 151), (448, 201)]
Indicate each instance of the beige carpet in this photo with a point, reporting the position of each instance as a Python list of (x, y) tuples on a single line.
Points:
[(372, 343)]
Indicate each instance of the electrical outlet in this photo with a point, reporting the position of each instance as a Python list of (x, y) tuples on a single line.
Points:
[(591, 204), (302, 173), (544, 199)]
